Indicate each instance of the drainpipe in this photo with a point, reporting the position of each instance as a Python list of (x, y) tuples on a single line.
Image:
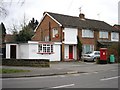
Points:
[(49, 31)]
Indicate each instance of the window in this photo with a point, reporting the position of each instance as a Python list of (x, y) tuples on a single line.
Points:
[(87, 33), (46, 38), (55, 32), (45, 48), (114, 36), (103, 34), (88, 48)]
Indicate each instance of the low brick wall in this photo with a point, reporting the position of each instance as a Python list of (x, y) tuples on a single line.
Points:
[(26, 62)]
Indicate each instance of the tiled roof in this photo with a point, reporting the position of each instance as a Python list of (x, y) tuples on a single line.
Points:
[(117, 26), (72, 21), (9, 38)]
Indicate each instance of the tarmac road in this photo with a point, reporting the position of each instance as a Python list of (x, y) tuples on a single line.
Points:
[(107, 78)]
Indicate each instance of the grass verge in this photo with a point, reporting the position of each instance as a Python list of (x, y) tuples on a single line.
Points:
[(7, 71)]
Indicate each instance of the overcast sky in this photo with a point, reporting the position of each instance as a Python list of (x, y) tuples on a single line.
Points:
[(104, 10)]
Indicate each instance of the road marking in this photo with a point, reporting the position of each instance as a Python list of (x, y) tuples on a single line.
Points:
[(76, 74), (61, 76), (109, 78), (64, 86)]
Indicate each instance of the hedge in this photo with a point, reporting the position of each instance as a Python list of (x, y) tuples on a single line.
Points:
[(26, 62)]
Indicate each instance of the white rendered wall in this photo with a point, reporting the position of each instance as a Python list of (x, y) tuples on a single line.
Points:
[(74, 53), (23, 51), (66, 52), (8, 51), (70, 36), (33, 53)]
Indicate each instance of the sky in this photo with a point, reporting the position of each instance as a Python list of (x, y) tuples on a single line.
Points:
[(104, 10)]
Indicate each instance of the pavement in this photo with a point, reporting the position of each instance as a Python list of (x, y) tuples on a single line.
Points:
[(59, 68)]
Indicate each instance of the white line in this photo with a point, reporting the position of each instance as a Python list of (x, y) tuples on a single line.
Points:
[(109, 78), (61, 75), (63, 86)]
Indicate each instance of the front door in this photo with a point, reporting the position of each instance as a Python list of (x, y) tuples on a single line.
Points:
[(70, 52), (12, 51)]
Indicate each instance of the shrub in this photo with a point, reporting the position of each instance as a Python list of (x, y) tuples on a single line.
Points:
[(26, 62)]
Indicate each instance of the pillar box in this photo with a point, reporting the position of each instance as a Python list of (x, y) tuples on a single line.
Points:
[(103, 53)]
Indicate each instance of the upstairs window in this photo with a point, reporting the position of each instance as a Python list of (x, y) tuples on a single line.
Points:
[(87, 33), (114, 36), (103, 34), (45, 48), (55, 32)]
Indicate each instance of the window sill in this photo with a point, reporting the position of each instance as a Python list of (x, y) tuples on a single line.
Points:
[(46, 53), (88, 37), (103, 38)]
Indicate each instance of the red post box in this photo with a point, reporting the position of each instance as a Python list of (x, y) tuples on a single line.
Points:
[(103, 53)]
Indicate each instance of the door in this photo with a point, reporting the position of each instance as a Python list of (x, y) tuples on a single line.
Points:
[(12, 51), (70, 52)]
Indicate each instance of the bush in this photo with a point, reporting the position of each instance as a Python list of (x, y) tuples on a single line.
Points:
[(98, 60), (26, 62)]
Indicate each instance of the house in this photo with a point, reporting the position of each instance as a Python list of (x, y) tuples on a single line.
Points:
[(56, 37), (65, 29), (117, 26)]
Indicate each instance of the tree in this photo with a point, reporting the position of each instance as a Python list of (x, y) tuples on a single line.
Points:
[(115, 50), (4, 11), (33, 24), (27, 31), (24, 35), (3, 29), (79, 46)]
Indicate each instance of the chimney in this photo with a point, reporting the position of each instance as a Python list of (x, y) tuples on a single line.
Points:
[(82, 16)]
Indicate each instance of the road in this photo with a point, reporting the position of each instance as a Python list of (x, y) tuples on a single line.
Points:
[(100, 79)]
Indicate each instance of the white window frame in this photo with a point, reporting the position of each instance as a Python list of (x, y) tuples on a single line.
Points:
[(45, 48), (114, 36), (55, 32), (103, 34), (47, 38), (86, 33), (91, 48)]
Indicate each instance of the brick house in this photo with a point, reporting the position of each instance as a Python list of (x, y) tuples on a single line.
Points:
[(64, 29), (118, 28)]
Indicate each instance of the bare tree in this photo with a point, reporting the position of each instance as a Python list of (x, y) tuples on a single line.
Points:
[(3, 9)]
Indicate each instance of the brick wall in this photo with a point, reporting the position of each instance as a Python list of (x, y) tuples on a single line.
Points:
[(45, 29), (92, 41)]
